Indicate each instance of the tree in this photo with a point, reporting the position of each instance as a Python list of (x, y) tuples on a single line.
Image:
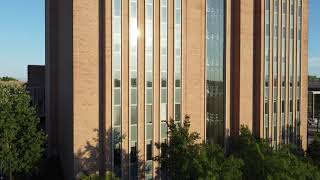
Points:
[(6, 78), (263, 162), (21, 143), (109, 176), (314, 149), (183, 157), (252, 151), (313, 78)]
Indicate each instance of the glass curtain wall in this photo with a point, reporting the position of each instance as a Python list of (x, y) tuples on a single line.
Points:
[(275, 71), (133, 58), (267, 69), (177, 60), (283, 70), (164, 68), (215, 88), (149, 85), (116, 63), (299, 57), (291, 69)]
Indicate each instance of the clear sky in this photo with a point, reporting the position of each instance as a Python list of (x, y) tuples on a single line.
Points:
[(314, 38), (22, 36)]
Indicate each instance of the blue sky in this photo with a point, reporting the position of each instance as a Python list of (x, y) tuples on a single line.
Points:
[(314, 38), (22, 36)]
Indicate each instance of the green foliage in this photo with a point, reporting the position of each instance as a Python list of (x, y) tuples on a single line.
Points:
[(262, 162), (313, 78), (21, 143), (109, 176), (183, 157), (314, 149), (6, 78), (285, 165)]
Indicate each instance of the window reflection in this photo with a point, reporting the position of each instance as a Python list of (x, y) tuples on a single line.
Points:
[(291, 65), (116, 62), (177, 58), (164, 67), (215, 71), (267, 67), (149, 6), (275, 69)]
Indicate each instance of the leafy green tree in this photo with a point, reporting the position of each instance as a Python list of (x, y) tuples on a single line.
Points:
[(179, 156), (253, 151), (109, 176), (262, 162), (313, 78), (214, 164), (6, 78), (183, 157), (21, 143), (285, 165), (314, 149)]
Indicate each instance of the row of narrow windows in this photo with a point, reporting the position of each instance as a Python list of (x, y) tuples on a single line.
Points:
[(117, 134), (287, 65)]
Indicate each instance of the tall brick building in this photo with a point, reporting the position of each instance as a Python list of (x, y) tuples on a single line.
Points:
[(124, 67)]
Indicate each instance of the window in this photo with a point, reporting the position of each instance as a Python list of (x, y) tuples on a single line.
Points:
[(164, 95), (149, 96), (149, 151), (266, 108), (134, 115), (117, 79), (116, 73), (149, 131), (163, 114), (164, 130), (164, 79), (215, 58), (149, 114), (164, 62), (134, 133), (149, 21), (117, 96), (177, 112), (267, 65), (177, 56), (117, 115), (178, 95), (134, 79), (134, 96)]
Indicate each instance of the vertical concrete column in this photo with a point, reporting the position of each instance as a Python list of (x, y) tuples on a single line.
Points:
[(141, 86), (304, 72), (125, 89), (227, 67), (108, 83), (258, 70), (86, 78), (246, 63), (279, 100), (194, 63)]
